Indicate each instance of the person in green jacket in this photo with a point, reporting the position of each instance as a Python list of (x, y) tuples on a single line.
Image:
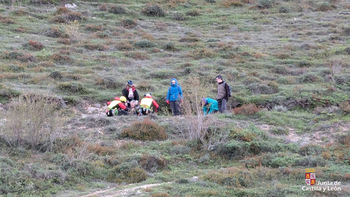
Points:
[(209, 106)]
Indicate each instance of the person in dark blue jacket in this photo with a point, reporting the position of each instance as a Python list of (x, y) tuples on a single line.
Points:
[(174, 97)]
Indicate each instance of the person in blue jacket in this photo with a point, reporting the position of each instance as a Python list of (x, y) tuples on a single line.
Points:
[(174, 97), (209, 106)]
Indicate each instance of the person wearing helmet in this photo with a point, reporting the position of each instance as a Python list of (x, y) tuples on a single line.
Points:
[(116, 107), (148, 104), (130, 92)]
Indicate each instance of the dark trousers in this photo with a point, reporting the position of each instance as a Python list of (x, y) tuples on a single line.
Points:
[(175, 107), (222, 105)]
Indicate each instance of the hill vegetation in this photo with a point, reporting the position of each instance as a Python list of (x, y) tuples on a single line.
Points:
[(287, 63)]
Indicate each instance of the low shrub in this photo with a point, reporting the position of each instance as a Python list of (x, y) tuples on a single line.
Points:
[(194, 12), (128, 23), (201, 53), (92, 27), (324, 6), (265, 4), (109, 82), (55, 32), (311, 149), (145, 130), (258, 88), (34, 45), (78, 167), (117, 9), (310, 78), (99, 47), (152, 163), (228, 3), (137, 55), (153, 10), (59, 58), (56, 75), (178, 17), (6, 94), (284, 9), (127, 172), (249, 109), (189, 39), (124, 45), (144, 44), (72, 87)]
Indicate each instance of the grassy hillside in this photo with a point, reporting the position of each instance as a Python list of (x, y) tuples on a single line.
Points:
[(286, 61)]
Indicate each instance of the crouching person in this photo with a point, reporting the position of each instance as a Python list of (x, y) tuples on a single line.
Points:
[(148, 105), (116, 107), (210, 106)]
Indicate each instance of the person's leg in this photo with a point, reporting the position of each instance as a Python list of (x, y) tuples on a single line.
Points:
[(122, 113), (177, 108), (172, 106), (219, 105), (224, 106)]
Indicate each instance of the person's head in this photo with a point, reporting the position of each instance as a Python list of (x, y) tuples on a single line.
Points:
[(173, 82), (133, 103), (122, 99), (218, 79), (109, 102), (130, 84), (204, 101), (148, 95)]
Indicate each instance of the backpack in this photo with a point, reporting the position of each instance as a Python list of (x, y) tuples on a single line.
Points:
[(230, 90)]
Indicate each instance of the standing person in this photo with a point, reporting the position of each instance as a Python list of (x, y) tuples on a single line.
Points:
[(174, 97), (223, 94), (148, 104), (130, 92), (209, 106)]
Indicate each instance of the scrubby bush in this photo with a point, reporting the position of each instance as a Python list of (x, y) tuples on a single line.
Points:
[(249, 109), (128, 23), (324, 6), (258, 88), (265, 4), (179, 17), (16, 55), (6, 94), (109, 82), (54, 32), (72, 87), (284, 9), (124, 45), (152, 163), (139, 55), (311, 149), (127, 172), (194, 12), (92, 27), (309, 78), (153, 10), (342, 79), (34, 45), (144, 44), (117, 9), (32, 121), (145, 130), (56, 75), (202, 53)]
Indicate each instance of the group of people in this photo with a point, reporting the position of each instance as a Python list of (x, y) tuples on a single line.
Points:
[(130, 104)]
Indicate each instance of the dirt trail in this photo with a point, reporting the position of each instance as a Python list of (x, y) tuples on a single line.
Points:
[(114, 192)]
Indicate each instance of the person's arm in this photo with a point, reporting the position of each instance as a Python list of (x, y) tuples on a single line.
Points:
[(121, 105), (204, 110), (136, 95), (211, 108), (155, 105), (168, 96)]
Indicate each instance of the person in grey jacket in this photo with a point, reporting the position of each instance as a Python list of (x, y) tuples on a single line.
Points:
[(223, 94)]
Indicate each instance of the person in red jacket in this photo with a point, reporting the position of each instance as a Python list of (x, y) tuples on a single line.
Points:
[(118, 107), (148, 104)]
